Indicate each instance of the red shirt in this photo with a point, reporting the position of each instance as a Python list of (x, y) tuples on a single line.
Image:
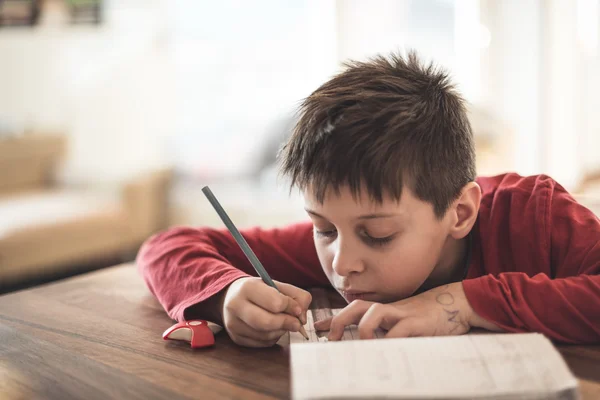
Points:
[(534, 265)]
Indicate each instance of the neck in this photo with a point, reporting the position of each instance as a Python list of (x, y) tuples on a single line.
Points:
[(452, 264)]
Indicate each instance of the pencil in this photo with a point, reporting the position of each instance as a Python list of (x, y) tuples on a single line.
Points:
[(260, 270)]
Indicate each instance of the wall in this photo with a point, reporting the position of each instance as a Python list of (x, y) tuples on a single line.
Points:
[(200, 84), (110, 88)]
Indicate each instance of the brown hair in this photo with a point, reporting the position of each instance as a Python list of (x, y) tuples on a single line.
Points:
[(381, 123)]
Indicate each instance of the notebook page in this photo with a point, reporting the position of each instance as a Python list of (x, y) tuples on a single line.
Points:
[(350, 333), (477, 366)]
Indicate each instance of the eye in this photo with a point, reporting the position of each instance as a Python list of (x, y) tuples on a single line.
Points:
[(377, 241), (325, 234)]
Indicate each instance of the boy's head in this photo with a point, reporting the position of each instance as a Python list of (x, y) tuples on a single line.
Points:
[(388, 136)]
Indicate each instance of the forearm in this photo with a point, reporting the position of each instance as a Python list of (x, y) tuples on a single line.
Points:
[(456, 306), (210, 309), (186, 267), (477, 321), (183, 268), (564, 309)]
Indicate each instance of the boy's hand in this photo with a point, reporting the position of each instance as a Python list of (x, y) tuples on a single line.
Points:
[(257, 315), (440, 311)]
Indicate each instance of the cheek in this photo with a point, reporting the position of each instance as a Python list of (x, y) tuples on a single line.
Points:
[(326, 256), (421, 253), (410, 263)]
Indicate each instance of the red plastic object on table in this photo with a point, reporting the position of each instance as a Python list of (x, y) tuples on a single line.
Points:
[(197, 332)]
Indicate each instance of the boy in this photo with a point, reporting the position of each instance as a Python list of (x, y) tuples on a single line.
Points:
[(400, 227)]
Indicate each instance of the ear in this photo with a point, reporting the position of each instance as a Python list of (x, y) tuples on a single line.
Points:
[(465, 210)]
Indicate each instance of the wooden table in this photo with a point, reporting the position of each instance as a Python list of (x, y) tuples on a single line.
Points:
[(99, 336)]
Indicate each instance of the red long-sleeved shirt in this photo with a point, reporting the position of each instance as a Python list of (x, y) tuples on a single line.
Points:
[(535, 260)]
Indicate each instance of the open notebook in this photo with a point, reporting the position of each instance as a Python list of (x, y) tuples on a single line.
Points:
[(478, 366), (499, 366)]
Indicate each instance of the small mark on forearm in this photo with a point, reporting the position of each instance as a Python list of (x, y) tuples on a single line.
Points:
[(445, 299), (452, 316)]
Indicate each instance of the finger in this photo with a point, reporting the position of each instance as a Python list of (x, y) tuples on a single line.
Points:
[(262, 320), (404, 328), (268, 298), (250, 342), (378, 316), (238, 327), (302, 297), (323, 325), (351, 314)]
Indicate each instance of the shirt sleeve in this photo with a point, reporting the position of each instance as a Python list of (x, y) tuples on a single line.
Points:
[(185, 266), (564, 306)]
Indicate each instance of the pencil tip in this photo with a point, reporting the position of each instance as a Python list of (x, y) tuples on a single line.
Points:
[(303, 333)]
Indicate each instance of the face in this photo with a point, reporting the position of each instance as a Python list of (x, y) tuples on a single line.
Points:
[(379, 252)]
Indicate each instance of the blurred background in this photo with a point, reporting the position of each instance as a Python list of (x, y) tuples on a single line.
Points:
[(114, 114)]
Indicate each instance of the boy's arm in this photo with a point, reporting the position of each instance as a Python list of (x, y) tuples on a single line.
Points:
[(187, 269), (566, 308)]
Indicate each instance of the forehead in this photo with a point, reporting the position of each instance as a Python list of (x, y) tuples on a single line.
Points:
[(343, 201)]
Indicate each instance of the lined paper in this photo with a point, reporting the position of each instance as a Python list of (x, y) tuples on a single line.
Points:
[(350, 333), (470, 366), (320, 312)]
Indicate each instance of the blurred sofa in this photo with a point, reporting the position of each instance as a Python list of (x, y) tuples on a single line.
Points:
[(50, 229)]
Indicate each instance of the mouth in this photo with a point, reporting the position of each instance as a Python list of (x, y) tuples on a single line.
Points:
[(351, 295)]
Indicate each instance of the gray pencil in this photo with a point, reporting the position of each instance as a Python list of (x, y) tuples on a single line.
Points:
[(243, 244)]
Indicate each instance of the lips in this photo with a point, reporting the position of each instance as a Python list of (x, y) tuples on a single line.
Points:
[(351, 295)]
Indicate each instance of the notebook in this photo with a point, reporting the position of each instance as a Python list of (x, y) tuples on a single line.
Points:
[(474, 366), (498, 366), (350, 333)]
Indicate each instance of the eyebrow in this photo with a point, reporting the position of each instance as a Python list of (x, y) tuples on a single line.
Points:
[(365, 216)]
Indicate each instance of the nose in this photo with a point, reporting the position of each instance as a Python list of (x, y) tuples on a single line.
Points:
[(347, 259)]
